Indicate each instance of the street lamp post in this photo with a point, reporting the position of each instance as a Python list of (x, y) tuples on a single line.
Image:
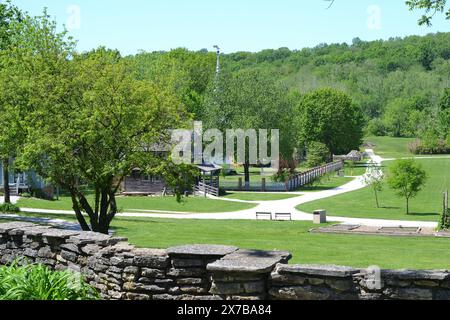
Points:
[(218, 60)]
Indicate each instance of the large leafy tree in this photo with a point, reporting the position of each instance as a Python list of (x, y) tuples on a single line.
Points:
[(97, 125), (88, 119), (250, 100), (330, 117)]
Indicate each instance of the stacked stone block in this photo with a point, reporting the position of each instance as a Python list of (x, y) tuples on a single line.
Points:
[(120, 271), (313, 282), (243, 275)]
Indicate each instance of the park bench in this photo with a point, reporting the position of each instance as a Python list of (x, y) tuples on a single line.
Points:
[(283, 216), (263, 216)]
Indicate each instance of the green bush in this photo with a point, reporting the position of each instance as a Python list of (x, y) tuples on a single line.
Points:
[(421, 147), (444, 224), (376, 127), (25, 195), (318, 154), (38, 282), (9, 208)]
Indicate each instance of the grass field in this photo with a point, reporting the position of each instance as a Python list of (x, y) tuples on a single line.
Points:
[(354, 250), (191, 204), (358, 169), (361, 204), (388, 147), (327, 184), (258, 196)]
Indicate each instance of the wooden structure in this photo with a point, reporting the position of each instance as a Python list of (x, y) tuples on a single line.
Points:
[(354, 155), (208, 181)]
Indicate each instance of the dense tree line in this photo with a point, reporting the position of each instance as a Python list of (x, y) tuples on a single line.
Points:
[(398, 80), (399, 84)]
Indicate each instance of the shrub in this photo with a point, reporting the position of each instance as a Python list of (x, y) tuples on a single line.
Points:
[(318, 154), (376, 127), (286, 170), (38, 282), (444, 224), (282, 175), (9, 208), (25, 195), (429, 147)]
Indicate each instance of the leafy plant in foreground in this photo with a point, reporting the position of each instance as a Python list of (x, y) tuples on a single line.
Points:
[(38, 282), (9, 208)]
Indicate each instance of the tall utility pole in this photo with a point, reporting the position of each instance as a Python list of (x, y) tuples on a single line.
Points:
[(218, 60)]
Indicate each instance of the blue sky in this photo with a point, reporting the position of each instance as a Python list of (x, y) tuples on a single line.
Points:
[(235, 25)]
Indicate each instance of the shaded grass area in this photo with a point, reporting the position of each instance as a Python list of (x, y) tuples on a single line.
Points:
[(259, 196), (191, 204), (353, 250), (361, 204)]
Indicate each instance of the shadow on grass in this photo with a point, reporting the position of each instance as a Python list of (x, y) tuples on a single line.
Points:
[(423, 214), (417, 214)]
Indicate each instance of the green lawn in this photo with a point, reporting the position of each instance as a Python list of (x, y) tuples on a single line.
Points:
[(327, 184), (258, 196), (361, 204), (358, 169), (191, 204), (352, 250), (388, 147)]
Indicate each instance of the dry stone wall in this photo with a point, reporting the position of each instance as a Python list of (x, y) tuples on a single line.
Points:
[(121, 271)]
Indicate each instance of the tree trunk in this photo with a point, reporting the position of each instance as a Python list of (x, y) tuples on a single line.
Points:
[(247, 175), (104, 212), (79, 214), (407, 206), (6, 181), (376, 198)]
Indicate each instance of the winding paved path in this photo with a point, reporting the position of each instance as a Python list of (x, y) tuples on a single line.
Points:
[(280, 206)]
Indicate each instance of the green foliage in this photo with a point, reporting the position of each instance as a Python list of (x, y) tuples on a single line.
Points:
[(407, 178), (9, 14), (9, 208), (282, 175), (318, 154), (179, 178), (376, 127), (374, 178), (444, 223), (251, 99), (330, 117), (431, 7), (186, 74), (38, 282), (87, 117)]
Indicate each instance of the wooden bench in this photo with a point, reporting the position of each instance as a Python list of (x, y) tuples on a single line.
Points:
[(263, 216), (283, 216)]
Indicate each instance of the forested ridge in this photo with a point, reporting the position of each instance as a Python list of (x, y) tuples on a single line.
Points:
[(399, 84)]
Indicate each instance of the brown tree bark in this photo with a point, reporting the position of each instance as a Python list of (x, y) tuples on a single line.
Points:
[(6, 190)]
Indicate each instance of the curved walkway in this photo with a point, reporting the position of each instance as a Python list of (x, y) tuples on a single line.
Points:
[(279, 206)]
